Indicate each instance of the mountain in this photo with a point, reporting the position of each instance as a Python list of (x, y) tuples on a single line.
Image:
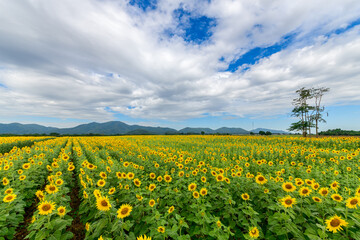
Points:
[(225, 130), (107, 128), (117, 128), (189, 130), (257, 130), (18, 128)]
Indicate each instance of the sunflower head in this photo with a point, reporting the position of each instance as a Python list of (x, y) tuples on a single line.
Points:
[(245, 196), (335, 224), (288, 201), (46, 207), (161, 229), (103, 203), (61, 211), (124, 211), (353, 202), (254, 232), (9, 198)]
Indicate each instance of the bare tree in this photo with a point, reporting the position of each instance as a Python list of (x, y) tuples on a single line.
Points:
[(316, 115)]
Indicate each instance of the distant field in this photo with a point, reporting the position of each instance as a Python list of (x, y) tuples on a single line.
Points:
[(180, 187)]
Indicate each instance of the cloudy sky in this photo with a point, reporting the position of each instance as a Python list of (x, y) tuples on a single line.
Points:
[(177, 63)]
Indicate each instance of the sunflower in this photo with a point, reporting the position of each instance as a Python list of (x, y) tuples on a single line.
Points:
[(97, 193), (161, 229), (103, 204), (124, 211), (171, 209), (61, 211), (59, 182), (260, 179), (40, 195), (167, 178), (103, 175), (85, 194), (22, 177), (203, 191), (130, 175), (304, 191), (218, 224), (87, 226), (357, 192), (9, 191), (352, 202), (112, 190), (203, 179), (196, 194), (159, 178), (288, 187), (137, 182), (152, 203), (152, 175), (144, 237), (9, 198), (324, 191), (317, 199), (192, 187), (26, 166), (334, 185), (46, 207), (140, 198), (152, 186), (220, 178), (101, 183), (245, 196), (254, 232), (335, 224), (71, 168), (337, 197), (50, 189), (181, 173), (288, 201), (315, 186)]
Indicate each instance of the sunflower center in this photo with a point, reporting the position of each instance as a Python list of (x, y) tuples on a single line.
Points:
[(353, 201), (324, 192), (261, 179), (61, 210), (104, 203), (288, 202), (46, 207), (305, 191), (288, 186), (337, 198), (9, 198), (52, 188), (335, 222), (124, 211)]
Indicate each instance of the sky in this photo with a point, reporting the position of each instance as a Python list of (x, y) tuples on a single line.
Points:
[(203, 63)]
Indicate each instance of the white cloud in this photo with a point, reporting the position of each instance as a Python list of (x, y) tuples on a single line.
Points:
[(56, 57)]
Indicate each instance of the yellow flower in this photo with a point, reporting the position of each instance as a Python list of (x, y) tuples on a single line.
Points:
[(111, 190), (9, 198), (59, 182), (337, 197), (288, 201), (50, 189), (61, 211), (137, 182), (218, 224), (334, 185), (152, 186), (22, 177), (260, 179), (304, 191), (245, 196), (324, 191), (101, 183), (317, 199), (9, 191), (103, 203), (167, 178), (87, 226), (192, 187), (46, 207), (161, 229), (352, 202), (254, 232), (203, 191), (196, 194), (144, 237), (288, 187), (335, 223), (124, 211), (152, 202), (171, 209)]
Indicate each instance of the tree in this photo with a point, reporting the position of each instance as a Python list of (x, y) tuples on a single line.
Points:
[(268, 133), (316, 116), (301, 110), (261, 132)]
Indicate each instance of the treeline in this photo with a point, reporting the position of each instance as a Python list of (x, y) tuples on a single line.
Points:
[(340, 132)]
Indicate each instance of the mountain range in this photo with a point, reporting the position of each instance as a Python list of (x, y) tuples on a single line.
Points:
[(118, 128)]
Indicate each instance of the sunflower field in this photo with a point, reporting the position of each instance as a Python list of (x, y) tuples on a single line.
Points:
[(180, 187)]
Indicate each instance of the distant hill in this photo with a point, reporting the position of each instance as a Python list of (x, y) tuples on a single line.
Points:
[(257, 130), (119, 128)]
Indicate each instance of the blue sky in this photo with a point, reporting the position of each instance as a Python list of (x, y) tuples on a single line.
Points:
[(177, 63)]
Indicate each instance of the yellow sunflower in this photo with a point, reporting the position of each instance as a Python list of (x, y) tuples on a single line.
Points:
[(112, 190), (352, 202), (137, 182), (171, 209), (124, 211), (304, 191), (245, 196), (161, 229), (317, 199), (46, 207), (101, 183), (9, 198), (196, 194), (103, 203), (203, 191), (9, 191), (167, 178), (254, 232), (260, 179), (152, 202), (337, 197), (192, 187), (288, 187), (335, 224), (288, 201), (61, 211), (144, 237), (152, 186), (324, 191), (50, 189)]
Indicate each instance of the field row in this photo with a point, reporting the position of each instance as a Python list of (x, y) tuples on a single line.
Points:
[(181, 187)]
